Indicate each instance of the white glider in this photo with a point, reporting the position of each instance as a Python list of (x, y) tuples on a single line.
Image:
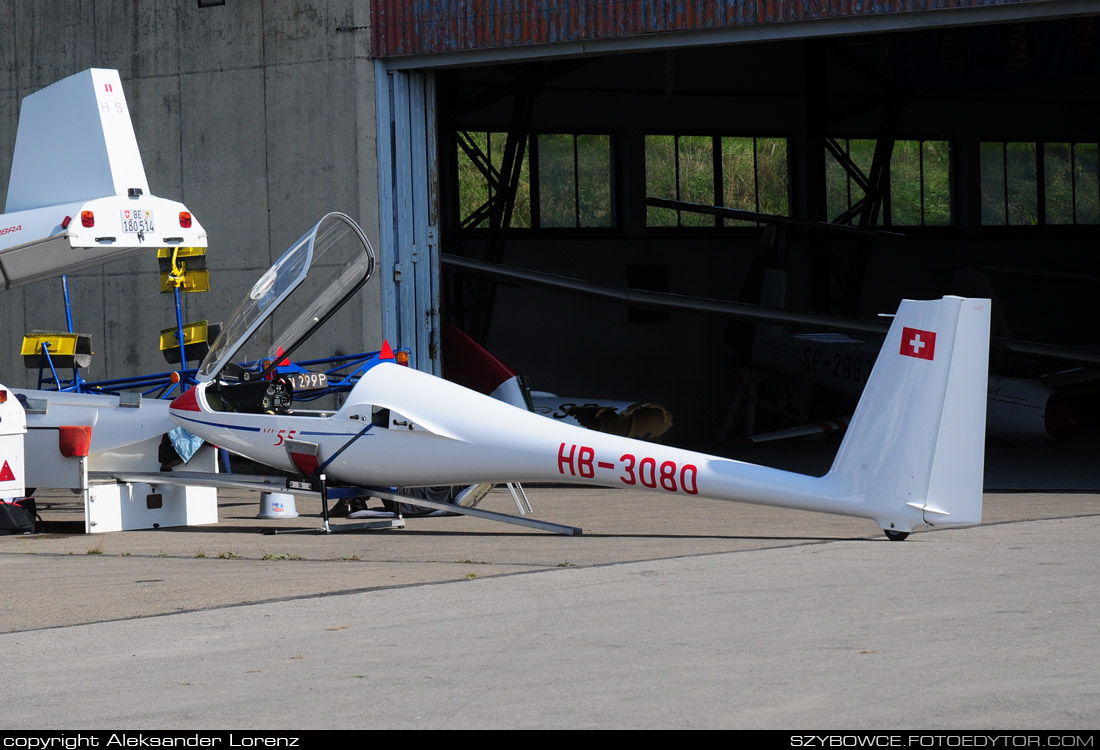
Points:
[(912, 457)]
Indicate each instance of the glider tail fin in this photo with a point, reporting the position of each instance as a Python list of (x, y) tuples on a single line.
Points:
[(75, 142), (914, 452)]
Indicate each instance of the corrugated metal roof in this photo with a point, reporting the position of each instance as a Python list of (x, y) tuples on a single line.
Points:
[(412, 27)]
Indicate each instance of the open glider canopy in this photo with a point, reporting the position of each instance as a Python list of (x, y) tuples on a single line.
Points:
[(320, 272)]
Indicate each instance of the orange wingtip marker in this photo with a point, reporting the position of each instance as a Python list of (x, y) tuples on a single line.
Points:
[(387, 352)]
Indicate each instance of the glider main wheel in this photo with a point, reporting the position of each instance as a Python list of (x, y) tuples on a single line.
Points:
[(896, 536)]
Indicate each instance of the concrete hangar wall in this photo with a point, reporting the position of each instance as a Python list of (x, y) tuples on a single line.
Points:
[(259, 116), (601, 87)]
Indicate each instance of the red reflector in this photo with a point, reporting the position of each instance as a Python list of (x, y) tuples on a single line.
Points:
[(387, 352), (65, 222), (74, 440), (186, 402), (185, 219), (87, 219)]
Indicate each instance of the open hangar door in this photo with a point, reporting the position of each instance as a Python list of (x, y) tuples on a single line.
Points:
[(966, 157)]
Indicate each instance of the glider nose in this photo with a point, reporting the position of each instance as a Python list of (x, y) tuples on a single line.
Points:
[(188, 401)]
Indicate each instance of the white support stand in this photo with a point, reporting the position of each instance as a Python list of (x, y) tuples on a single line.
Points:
[(519, 497)]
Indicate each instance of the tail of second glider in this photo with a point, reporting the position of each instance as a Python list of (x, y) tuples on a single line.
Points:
[(914, 452), (75, 142), (76, 155)]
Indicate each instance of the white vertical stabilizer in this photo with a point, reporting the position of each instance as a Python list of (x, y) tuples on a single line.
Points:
[(75, 142), (914, 452)]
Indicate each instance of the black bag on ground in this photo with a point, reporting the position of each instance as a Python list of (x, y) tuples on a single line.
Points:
[(19, 516), (443, 494)]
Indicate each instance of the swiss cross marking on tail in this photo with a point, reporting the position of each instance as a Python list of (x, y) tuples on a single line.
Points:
[(6, 474), (918, 343)]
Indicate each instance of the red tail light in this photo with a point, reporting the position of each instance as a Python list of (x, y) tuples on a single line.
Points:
[(87, 219), (185, 219)]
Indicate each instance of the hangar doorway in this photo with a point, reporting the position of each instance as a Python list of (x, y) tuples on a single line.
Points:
[(564, 150)]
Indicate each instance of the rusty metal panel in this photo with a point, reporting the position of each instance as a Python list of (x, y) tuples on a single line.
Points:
[(411, 27)]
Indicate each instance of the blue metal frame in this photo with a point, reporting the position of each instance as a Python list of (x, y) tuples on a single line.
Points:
[(342, 372), (76, 383)]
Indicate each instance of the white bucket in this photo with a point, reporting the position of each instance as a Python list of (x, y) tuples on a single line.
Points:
[(277, 505)]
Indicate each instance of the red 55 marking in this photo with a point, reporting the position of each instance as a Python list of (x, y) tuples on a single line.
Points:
[(284, 435), (580, 460)]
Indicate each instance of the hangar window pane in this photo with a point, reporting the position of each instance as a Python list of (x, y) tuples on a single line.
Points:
[(747, 173), (739, 175), (574, 179), (695, 176), (772, 176), (936, 183), (557, 181), (480, 161), (1021, 184), (846, 170), (1071, 190), (906, 184), (473, 186), (754, 176), (1028, 183), (680, 167), (993, 183), (594, 181), (660, 178), (1086, 180), (920, 184), (1058, 181), (1010, 190)]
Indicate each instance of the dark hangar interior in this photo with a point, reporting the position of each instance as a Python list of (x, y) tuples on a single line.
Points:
[(962, 159)]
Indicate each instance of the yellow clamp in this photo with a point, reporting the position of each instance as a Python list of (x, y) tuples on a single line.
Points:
[(176, 275)]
